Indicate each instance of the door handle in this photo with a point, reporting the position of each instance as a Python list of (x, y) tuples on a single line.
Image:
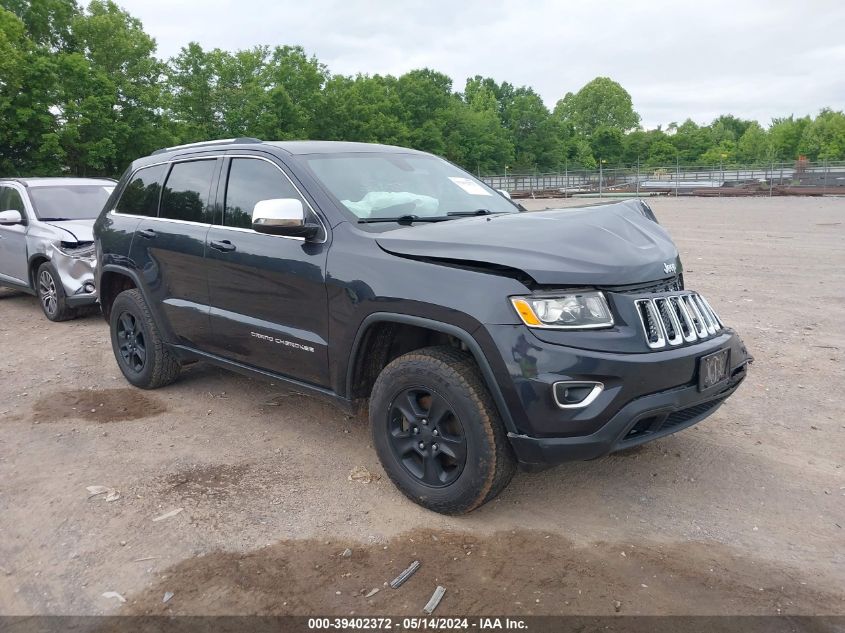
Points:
[(147, 233), (224, 246)]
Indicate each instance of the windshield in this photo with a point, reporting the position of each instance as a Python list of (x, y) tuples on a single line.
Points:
[(69, 202), (392, 185)]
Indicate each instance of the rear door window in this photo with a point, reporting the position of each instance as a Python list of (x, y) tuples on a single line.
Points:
[(143, 192), (186, 193)]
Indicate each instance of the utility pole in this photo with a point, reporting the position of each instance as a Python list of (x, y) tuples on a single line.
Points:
[(600, 177), (771, 178), (677, 172), (638, 175), (566, 185)]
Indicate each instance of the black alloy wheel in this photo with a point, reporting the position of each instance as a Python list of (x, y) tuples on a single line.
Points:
[(427, 437), (131, 343)]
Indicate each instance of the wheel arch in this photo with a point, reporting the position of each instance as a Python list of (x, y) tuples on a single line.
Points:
[(360, 345), (114, 280), (35, 261)]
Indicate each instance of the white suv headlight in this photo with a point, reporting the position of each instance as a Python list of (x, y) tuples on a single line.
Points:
[(579, 310)]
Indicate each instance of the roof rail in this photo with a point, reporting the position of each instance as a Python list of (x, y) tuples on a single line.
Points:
[(222, 141)]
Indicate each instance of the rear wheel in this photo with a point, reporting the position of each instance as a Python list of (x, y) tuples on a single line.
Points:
[(143, 357), (51, 294), (437, 431)]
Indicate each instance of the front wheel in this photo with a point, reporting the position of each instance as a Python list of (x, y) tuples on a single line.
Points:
[(143, 357), (51, 294), (437, 431)]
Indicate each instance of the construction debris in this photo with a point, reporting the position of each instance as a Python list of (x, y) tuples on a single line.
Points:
[(114, 594), (167, 515), (111, 493), (401, 578), (435, 599)]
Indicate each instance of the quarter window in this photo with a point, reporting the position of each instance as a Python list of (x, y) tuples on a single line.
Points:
[(250, 181), (143, 191), (185, 196)]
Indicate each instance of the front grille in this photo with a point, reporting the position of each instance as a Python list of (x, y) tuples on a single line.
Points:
[(675, 319), (661, 424)]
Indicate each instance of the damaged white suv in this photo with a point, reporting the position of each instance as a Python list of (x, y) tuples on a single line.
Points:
[(46, 243)]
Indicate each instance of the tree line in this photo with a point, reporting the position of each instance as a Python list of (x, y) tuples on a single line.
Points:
[(82, 92)]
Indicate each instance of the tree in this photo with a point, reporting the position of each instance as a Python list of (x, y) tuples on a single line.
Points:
[(691, 141), (296, 81), (425, 95), (82, 92), (535, 134), (722, 154), (785, 135), (606, 144), (824, 138), (27, 84), (727, 127), (754, 145), (113, 97), (47, 22), (600, 103), (364, 108), (474, 135)]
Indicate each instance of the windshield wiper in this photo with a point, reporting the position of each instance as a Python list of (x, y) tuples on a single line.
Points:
[(476, 212), (405, 219)]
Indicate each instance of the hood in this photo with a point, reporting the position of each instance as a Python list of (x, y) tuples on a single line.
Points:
[(80, 230), (605, 245)]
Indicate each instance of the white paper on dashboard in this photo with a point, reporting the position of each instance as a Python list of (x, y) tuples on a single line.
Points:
[(470, 186)]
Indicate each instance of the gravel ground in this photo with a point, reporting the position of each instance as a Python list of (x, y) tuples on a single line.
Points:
[(744, 513)]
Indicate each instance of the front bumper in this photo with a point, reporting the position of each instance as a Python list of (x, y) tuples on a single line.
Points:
[(645, 396), (645, 419), (77, 277)]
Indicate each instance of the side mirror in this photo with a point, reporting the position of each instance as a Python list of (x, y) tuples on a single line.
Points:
[(282, 216), (504, 193), (9, 218)]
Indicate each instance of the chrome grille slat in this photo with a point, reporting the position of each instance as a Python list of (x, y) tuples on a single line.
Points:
[(718, 321), (670, 323), (688, 327), (697, 319), (652, 327), (676, 319), (708, 321)]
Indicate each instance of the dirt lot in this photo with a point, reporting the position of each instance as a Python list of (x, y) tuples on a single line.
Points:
[(744, 513)]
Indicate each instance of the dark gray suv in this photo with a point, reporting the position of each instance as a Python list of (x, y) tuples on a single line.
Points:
[(480, 337)]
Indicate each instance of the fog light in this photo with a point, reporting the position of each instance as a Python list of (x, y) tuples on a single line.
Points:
[(88, 287), (576, 394)]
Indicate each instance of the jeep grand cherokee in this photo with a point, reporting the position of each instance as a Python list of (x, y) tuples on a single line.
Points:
[(481, 336)]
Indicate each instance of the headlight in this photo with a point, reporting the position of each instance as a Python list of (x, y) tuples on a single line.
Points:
[(77, 249), (572, 311)]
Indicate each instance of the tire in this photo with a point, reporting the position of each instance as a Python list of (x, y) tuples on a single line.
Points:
[(51, 294), (144, 358), (457, 460)]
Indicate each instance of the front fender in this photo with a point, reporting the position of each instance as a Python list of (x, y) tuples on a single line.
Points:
[(462, 335)]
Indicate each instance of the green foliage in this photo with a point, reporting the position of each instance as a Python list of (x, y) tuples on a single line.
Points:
[(83, 93), (824, 138), (602, 103), (754, 146), (785, 135)]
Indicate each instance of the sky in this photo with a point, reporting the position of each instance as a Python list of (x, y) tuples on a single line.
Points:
[(678, 60)]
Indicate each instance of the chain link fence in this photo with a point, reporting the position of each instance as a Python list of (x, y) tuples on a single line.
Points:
[(793, 178)]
